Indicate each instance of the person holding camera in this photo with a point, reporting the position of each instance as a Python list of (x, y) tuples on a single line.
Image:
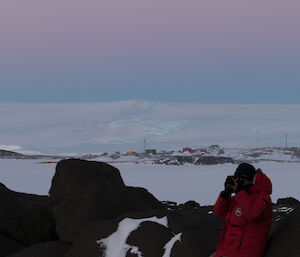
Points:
[(247, 214)]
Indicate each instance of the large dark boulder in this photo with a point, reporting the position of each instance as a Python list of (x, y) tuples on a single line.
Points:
[(26, 218), (142, 199), (150, 239), (284, 236), (88, 245), (47, 249), (194, 243), (196, 234), (202, 217), (8, 246), (83, 192), (199, 234)]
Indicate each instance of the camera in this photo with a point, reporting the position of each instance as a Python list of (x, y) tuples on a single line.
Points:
[(232, 183)]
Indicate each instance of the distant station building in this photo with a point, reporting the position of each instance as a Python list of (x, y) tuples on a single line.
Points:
[(186, 149), (203, 151), (130, 153), (150, 151), (200, 153)]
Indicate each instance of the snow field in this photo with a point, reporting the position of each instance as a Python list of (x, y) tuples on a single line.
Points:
[(166, 182), (28, 176)]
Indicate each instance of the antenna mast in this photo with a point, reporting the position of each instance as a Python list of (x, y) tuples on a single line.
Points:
[(144, 145)]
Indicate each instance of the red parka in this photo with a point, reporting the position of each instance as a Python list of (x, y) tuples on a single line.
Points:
[(247, 220)]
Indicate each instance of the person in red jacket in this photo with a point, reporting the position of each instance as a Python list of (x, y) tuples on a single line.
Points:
[(247, 214)]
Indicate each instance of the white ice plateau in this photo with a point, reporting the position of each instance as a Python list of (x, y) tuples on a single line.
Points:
[(98, 127)]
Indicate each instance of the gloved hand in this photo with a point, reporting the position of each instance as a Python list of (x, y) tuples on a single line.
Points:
[(230, 186), (234, 185)]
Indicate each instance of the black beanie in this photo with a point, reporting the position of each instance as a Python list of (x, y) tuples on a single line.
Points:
[(245, 170)]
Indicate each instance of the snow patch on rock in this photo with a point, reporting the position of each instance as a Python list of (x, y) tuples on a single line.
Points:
[(115, 244), (168, 247)]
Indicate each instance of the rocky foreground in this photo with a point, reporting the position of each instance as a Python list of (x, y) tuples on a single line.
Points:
[(90, 212)]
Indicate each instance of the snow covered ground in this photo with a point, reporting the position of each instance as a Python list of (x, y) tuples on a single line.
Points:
[(174, 183)]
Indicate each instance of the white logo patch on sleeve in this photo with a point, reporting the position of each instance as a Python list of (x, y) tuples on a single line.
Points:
[(238, 212)]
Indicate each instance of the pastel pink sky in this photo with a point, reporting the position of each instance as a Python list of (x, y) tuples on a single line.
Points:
[(62, 38)]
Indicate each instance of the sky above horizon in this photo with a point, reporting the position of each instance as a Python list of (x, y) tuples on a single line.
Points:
[(171, 51)]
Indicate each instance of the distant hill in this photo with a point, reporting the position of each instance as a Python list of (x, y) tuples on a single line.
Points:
[(11, 155)]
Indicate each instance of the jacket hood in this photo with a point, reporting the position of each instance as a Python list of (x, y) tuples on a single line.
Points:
[(262, 183)]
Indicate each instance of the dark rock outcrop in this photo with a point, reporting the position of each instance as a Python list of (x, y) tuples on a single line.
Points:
[(199, 234), (209, 160), (11, 155), (150, 238), (201, 160), (185, 159), (26, 218), (283, 207), (179, 221), (284, 236), (199, 230), (195, 243), (83, 192), (86, 244), (8, 246), (47, 249), (289, 201), (142, 198), (189, 206)]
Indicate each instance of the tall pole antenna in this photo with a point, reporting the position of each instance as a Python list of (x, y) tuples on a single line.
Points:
[(286, 137), (144, 145)]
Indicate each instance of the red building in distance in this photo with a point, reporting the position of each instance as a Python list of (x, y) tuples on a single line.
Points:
[(186, 149)]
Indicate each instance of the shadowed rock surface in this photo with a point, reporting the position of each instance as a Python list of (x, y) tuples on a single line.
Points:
[(26, 218), (86, 243), (142, 197), (189, 206), (199, 230), (195, 243), (150, 237), (47, 249), (199, 234), (83, 192), (8, 246), (284, 236), (289, 201)]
